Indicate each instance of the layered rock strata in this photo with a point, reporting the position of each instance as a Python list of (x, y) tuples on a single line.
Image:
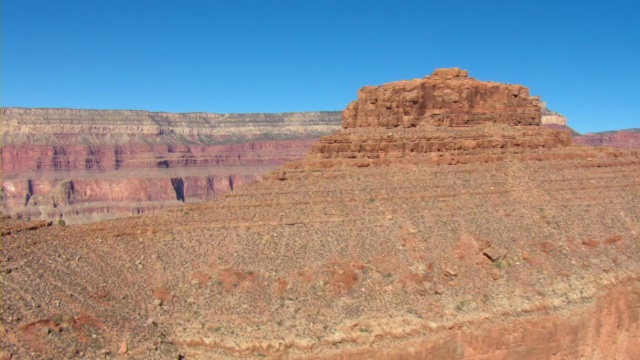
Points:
[(88, 165), (622, 139), (446, 98), (36, 126), (551, 117), (446, 118), (527, 249)]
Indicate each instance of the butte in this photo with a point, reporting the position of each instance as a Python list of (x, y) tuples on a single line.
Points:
[(442, 221)]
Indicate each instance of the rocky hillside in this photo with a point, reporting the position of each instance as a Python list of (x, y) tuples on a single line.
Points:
[(447, 232), (87, 165)]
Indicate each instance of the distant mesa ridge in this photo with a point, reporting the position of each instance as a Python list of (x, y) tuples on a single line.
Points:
[(127, 126), (124, 162)]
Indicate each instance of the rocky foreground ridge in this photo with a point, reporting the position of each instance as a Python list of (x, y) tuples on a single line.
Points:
[(490, 239), (87, 165)]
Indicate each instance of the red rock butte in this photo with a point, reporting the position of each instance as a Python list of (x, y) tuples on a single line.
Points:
[(444, 224), (446, 118), (446, 98)]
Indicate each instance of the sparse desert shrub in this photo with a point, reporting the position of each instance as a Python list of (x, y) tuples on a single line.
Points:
[(61, 222), (57, 318)]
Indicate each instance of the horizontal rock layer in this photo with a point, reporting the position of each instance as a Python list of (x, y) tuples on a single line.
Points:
[(622, 139), (551, 117), (446, 98), (379, 261), (113, 127), (486, 241), (87, 165), (435, 142), (33, 159)]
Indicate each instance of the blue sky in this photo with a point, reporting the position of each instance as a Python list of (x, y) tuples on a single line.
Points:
[(582, 57)]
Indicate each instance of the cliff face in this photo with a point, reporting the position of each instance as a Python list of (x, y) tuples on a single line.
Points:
[(446, 98), (551, 117), (130, 162), (628, 139), (109, 151), (111, 127)]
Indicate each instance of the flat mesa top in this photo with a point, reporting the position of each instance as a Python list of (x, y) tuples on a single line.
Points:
[(448, 73)]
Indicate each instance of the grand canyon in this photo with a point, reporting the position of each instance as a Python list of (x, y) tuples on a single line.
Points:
[(441, 220), (79, 166), (86, 165)]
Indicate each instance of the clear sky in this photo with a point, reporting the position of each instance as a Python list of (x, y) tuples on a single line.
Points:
[(582, 57)]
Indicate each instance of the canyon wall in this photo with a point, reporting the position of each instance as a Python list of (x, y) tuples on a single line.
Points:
[(628, 139), (88, 165), (490, 240), (623, 139)]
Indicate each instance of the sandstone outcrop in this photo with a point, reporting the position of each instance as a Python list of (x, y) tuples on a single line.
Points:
[(122, 163), (520, 246), (549, 117), (446, 98), (446, 118)]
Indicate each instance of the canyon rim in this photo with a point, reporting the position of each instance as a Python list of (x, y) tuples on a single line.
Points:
[(82, 166)]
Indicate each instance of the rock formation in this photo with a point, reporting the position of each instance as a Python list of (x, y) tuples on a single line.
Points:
[(551, 117), (87, 165), (446, 98), (497, 239), (123, 162), (622, 139), (445, 118), (628, 139)]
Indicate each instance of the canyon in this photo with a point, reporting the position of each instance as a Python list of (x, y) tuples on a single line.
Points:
[(78, 166), (88, 165), (622, 139), (442, 220), (628, 139)]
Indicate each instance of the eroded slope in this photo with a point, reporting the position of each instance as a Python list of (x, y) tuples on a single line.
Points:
[(485, 242), (340, 260)]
